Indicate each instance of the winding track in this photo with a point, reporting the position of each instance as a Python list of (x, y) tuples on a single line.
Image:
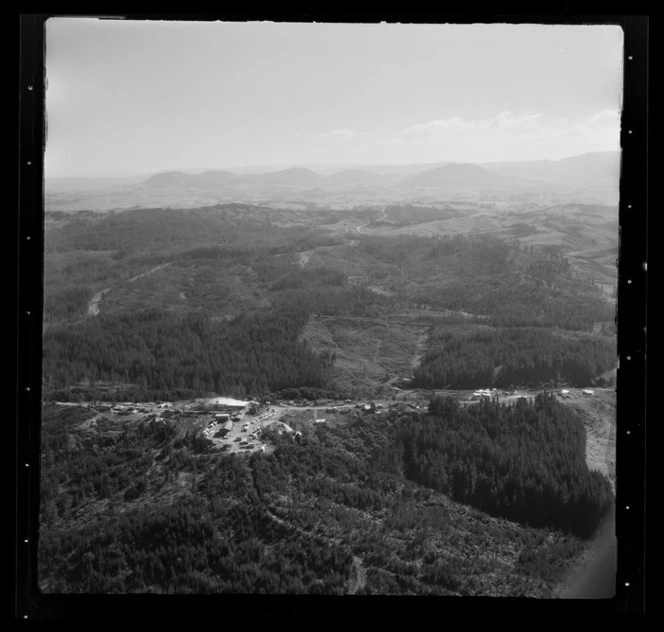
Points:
[(93, 305)]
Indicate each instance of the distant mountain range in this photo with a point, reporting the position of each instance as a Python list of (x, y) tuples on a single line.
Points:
[(294, 177), (601, 168), (591, 176)]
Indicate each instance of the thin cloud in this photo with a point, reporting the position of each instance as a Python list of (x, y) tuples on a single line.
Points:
[(527, 125), (504, 120), (506, 135), (604, 118), (530, 134)]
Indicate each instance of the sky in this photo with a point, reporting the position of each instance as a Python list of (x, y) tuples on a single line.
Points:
[(139, 97)]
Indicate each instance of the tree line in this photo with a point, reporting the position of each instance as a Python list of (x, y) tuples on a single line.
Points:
[(520, 356), (253, 353)]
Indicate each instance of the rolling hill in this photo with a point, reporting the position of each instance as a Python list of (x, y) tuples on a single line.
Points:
[(168, 179), (295, 177), (456, 175)]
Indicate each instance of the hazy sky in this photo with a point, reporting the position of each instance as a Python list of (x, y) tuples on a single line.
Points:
[(130, 97)]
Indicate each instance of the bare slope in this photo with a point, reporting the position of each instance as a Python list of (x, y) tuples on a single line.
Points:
[(368, 352), (598, 412)]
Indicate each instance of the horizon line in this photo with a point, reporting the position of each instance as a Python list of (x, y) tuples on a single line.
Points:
[(285, 166)]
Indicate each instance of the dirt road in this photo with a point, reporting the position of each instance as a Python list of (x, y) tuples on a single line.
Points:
[(93, 306), (156, 269)]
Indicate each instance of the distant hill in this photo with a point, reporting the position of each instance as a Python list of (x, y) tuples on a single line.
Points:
[(295, 176), (401, 170), (590, 169), (354, 177), (455, 175), (168, 179), (213, 178)]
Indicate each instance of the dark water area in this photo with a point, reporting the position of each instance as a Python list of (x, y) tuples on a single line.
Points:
[(595, 578)]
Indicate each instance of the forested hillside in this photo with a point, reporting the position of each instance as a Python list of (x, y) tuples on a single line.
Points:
[(511, 356), (352, 508), (163, 301), (525, 461), (161, 352)]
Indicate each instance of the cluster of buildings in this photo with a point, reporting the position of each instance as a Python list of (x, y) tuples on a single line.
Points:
[(487, 392), (565, 394)]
